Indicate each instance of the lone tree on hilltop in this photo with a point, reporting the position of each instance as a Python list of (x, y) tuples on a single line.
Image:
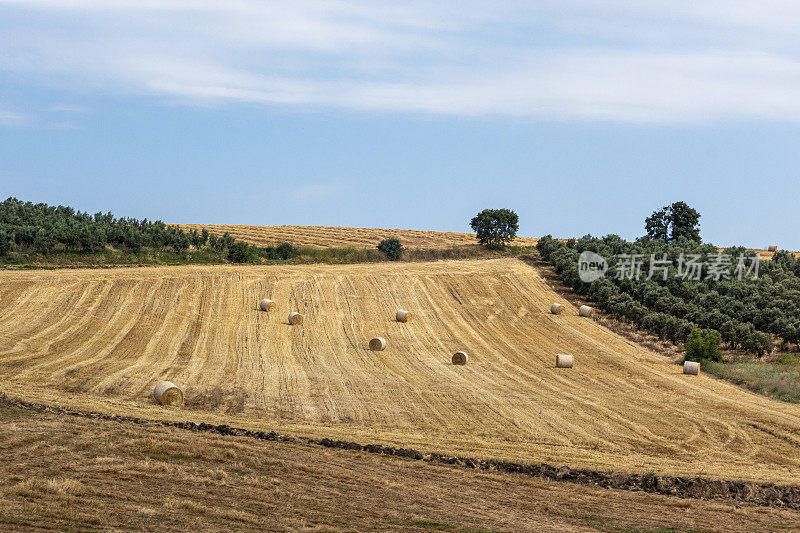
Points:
[(672, 222), (495, 227)]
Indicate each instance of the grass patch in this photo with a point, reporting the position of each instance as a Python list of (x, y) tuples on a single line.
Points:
[(779, 378), (605, 525), (167, 457), (431, 524), (9, 412)]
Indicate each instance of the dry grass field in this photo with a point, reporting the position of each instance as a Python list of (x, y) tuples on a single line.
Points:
[(326, 236), (100, 339), (68, 473)]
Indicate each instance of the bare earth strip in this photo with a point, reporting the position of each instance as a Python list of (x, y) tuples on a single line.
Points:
[(99, 340), (335, 236), (67, 473)]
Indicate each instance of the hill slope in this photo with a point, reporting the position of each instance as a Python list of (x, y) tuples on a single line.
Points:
[(327, 236), (100, 339), (69, 473)]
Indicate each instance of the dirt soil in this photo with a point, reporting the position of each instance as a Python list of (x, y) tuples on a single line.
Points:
[(73, 473)]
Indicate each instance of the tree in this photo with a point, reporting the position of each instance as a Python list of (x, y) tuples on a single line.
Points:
[(6, 242), (392, 248), (286, 251), (694, 346), (241, 252), (495, 227), (699, 347), (674, 222)]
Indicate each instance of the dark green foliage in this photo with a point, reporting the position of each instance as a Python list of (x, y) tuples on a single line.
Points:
[(701, 347), (673, 223), (46, 229), (495, 227), (392, 248), (742, 313), (26, 227), (241, 252), (6, 241), (286, 251)]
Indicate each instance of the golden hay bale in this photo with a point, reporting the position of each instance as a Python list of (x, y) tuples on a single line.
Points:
[(772, 248), (585, 310), (563, 361), (378, 344), (556, 309), (266, 304), (403, 316), (167, 393), (691, 367), (460, 358), (295, 318)]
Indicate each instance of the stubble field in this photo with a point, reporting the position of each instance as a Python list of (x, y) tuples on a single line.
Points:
[(100, 339)]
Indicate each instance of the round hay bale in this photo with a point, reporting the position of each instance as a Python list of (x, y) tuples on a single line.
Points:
[(266, 304), (460, 358), (585, 310), (295, 318), (378, 344), (772, 248), (167, 393), (563, 361), (403, 315), (691, 367), (556, 309)]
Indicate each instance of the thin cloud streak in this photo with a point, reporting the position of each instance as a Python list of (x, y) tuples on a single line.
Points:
[(663, 62)]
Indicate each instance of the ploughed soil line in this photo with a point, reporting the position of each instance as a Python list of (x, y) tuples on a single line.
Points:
[(764, 494)]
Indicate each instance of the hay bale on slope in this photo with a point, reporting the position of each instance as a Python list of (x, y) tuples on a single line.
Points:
[(563, 361), (585, 310), (295, 318), (167, 393), (460, 358), (266, 304), (556, 309), (691, 368), (772, 248), (378, 344), (403, 316)]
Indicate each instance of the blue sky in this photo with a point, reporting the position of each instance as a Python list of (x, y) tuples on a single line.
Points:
[(583, 117)]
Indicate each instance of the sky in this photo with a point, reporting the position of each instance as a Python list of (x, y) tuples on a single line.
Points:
[(581, 116)]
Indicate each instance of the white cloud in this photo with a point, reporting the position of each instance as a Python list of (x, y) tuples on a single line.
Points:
[(655, 61), (10, 118)]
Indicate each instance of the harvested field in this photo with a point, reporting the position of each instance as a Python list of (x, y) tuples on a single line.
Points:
[(99, 340), (335, 236), (67, 473)]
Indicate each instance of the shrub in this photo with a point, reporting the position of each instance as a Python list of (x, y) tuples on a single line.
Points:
[(241, 252), (700, 347), (392, 248), (286, 251)]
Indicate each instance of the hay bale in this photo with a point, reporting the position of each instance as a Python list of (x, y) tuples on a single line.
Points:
[(691, 367), (556, 309), (378, 344), (772, 248), (585, 310), (167, 393), (295, 318), (403, 316), (563, 361), (266, 304), (460, 358)]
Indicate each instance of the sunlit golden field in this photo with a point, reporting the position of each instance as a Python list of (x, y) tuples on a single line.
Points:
[(100, 339)]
